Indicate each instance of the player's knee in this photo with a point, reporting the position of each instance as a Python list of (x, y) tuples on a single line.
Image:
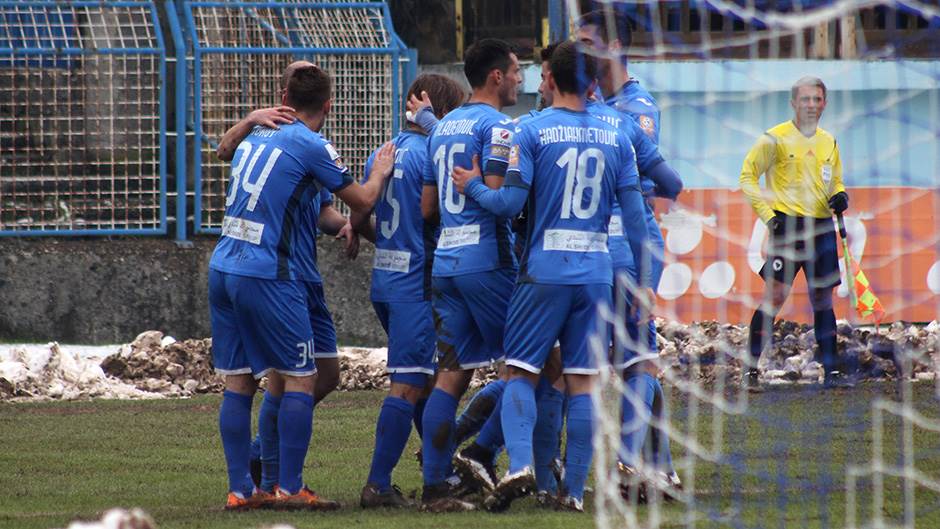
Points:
[(304, 384), (454, 383), (327, 377), (241, 384), (408, 386), (579, 384)]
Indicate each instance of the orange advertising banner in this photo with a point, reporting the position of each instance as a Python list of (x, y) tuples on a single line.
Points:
[(715, 245)]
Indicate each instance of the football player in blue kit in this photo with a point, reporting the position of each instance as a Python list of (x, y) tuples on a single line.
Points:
[(401, 292), (319, 215), (571, 167), (474, 266), (258, 308), (626, 95)]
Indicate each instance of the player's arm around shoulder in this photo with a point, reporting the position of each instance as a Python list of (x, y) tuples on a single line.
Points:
[(497, 142), (266, 117), (362, 197)]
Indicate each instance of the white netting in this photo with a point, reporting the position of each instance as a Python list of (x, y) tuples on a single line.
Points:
[(233, 84), (721, 73)]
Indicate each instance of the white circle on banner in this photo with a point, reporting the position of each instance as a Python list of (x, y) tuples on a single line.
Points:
[(685, 238), (676, 280), (933, 278), (716, 280)]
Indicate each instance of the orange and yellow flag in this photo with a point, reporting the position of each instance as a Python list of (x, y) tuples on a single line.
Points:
[(867, 304)]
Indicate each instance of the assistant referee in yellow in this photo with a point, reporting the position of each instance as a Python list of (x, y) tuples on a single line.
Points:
[(803, 189)]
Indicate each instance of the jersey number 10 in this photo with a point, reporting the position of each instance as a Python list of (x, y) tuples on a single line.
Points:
[(453, 201)]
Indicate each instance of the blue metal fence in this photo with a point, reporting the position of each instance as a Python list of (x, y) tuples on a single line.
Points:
[(85, 96), (238, 51), (82, 119)]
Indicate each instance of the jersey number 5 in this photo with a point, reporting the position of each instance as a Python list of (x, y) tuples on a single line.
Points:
[(453, 201), (389, 227), (253, 189), (577, 181)]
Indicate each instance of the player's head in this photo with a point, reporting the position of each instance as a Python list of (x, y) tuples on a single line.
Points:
[(546, 56), (572, 72), (607, 35), (290, 71), (445, 93), (808, 99), (308, 90), (490, 64)]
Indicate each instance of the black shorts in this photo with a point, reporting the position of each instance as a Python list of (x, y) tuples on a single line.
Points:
[(805, 243)]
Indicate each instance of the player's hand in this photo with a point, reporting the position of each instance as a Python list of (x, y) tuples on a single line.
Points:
[(839, 202), (383, 162), (272, 117), (351, 238), (462, 177), (415, 105)]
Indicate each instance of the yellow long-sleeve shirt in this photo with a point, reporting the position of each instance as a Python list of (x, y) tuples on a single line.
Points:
[(801, 173)]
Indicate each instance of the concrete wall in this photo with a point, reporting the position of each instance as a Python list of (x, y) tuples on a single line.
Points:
[(107, 291)]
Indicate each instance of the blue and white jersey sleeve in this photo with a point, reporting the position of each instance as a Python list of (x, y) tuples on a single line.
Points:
[(521, 158), (327, 166), (497, 140)]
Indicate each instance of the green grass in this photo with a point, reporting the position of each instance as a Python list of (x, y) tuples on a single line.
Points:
[(783, 466)]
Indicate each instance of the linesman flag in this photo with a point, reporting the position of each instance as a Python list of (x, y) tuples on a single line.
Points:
[(864, 301)]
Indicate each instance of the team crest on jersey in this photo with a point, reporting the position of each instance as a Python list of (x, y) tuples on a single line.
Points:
[(334, 156), (648, 125)]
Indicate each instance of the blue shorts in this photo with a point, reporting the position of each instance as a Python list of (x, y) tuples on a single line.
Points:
[(324, 332), (540, 314), (624, 353), (259, 325), (470, 312), (411, 336)]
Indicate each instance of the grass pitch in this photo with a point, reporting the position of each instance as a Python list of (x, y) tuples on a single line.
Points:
[(783, 465)]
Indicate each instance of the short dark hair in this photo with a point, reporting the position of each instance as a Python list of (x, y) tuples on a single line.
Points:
[(572, 70), (601, 18), (308, 88), (483, 57), (445, 93), (547, 51)]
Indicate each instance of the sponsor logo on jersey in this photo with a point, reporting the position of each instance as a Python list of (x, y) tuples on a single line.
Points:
[(514, 156), (648, 125)]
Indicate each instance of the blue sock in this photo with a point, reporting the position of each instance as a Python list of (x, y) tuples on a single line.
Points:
[(580, 446), (267, 434), (391, 435), (518, 415), (294, 427), (418, 416), (662, 453), (545, 436), (438, 445), (255, 450), (634, 429), (235, 430), (491, 435), (480, 408)]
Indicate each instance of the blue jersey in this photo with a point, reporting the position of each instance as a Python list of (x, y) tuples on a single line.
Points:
[(306, 244), (472, 239), (573, 165), (275, 172), (404, 243), (647, 157), (634, 100)]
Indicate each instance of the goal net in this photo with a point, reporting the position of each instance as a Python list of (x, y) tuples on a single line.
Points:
[(794, 455)]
